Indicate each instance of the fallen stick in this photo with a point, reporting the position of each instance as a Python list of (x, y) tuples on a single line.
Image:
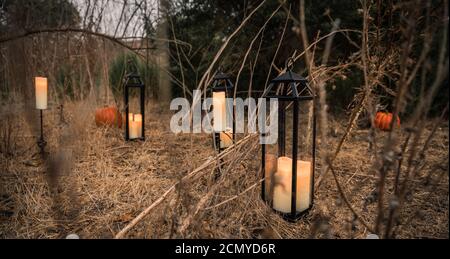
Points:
[(209, 162), (136, 220), (187, 221)]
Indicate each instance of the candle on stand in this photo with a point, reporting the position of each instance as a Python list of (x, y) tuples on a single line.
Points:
[(138, 121), (226, 138), (219, 111), (283, 185), (41, 92)]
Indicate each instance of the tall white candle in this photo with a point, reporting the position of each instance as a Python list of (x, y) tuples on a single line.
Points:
[(41, 92), (226, 138), (283, 185), (219, 111), (138, 120)]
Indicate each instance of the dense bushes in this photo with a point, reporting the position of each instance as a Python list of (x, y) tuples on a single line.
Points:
[(119, 67)]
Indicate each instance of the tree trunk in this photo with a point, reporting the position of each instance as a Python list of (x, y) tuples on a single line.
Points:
[(164, 94)]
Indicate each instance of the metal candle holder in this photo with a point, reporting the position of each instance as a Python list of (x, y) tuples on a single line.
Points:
[(41, 141)]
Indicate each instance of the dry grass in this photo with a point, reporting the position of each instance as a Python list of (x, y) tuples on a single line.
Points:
[(101, 183), (95, 184)]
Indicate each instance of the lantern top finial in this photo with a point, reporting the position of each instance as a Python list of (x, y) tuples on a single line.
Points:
[(297, 87), (132, 78), (222, 82), (220, 75), (290, 63), (131, 67), (289, 76)]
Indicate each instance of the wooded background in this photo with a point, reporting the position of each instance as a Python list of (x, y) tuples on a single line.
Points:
[(194, 31), (360, 58)]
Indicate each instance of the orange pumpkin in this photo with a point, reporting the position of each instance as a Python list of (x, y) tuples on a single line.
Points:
[(383, 121), (108, 116)]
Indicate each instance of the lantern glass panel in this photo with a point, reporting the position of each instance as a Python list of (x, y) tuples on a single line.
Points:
[(134, 101)]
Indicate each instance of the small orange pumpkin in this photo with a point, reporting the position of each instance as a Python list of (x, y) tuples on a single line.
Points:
[(108, 116), (383, 121)]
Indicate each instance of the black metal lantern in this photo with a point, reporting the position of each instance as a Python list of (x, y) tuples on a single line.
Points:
[(134, 122), (288, 166), (222, 89)]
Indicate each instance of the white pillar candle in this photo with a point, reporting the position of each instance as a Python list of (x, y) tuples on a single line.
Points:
[(226, 138), (130, 120), (134, 133), (283, 185), (138, 120), (270, 170), (41, 92), (304, 174), (219, 111)]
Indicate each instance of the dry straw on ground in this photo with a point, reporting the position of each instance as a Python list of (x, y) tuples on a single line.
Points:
[(95, 184), (112, 181)]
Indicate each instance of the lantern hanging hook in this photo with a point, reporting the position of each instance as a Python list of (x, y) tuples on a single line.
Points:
[(290, 63), (132, 66)]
